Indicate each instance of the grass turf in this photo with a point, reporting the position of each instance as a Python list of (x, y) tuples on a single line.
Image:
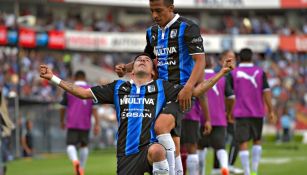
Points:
[(281, 159)]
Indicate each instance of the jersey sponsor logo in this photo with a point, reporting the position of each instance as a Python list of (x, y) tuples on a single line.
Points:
[(197, 40), (164, 51), (173, 33), (135, 100), (252, 79), (170, 63), (135, 115), (151, 88)]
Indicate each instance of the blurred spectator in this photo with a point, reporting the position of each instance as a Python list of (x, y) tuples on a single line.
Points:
[(27, 140)]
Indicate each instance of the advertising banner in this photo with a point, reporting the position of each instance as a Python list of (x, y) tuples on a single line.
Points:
[(258, 43), (56, 39), (293, 3), (293, 43), (27, 38), (3, 35)]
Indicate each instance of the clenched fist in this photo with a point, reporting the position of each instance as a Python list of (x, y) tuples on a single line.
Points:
[(45, 72)]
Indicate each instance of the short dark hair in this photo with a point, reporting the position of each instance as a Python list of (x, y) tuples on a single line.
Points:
[(166, 2), (80, 74), (246, 54)]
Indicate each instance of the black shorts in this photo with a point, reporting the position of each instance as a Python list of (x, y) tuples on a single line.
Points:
[(216, 139), (247, 129), (136, 164), (77, 136), (174, 109), (190, 131)]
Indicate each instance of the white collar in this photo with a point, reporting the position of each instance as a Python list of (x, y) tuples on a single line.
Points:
[(80, 83), (209, 71), (132, 82), (246, 65), (171, 22)]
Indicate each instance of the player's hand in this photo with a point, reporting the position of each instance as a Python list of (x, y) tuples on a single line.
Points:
[(96, 129), (45, 72), (230, 119), (272, 118), (207, 128), (120, 69), (228, 65), (185, 98)]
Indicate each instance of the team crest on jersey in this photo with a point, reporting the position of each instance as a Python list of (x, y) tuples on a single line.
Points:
[(151, 88), (153, 37), (173, 33)]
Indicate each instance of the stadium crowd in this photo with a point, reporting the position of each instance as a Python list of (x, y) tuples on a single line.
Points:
[(233, 24)]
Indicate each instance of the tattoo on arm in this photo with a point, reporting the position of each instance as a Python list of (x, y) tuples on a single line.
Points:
[(73, 89)]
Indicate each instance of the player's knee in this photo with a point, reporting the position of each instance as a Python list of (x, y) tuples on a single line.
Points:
[(157, 152), (164, 124)]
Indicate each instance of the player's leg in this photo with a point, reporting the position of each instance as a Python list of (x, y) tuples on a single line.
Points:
[(242, 136), (190, 136), (233, 150), (217, 141), (203, 144), (164, 124), (83, 151), (71, 149), (169, 121), (257, 148), (178, 162), (156, 157)]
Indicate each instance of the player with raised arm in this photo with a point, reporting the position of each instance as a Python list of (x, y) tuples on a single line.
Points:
[(138, 103), (175, 42)]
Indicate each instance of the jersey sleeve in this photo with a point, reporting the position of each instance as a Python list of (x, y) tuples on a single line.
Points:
[(148, 48), (228, 88), (104, 93), (171, 90), (265, 82), (64, 99), (193, 40)]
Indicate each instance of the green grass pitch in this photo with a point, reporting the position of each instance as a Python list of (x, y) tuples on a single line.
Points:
[(289, 159)]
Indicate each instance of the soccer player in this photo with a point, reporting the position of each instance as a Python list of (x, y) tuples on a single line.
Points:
[(78, 114), (138, 103), (176, 44), (219, 108), (252, 91), (234, 146)]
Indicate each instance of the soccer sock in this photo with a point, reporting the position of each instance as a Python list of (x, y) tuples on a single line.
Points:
[(167, 141), (192, 164), (223, 158), (159, 168), (72, 153), (244, 155), (256, 153), (83, 156), (178, 166), (202, 157)]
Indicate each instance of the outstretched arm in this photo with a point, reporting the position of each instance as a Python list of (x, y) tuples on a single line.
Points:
[(205, 85), (80, 92)]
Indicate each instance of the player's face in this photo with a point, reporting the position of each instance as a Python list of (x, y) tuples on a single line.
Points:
[(161, 13), (143, 64), (229, 54)]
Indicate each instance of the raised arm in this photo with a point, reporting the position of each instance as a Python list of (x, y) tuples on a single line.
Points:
[(205, 85), (77, 91)]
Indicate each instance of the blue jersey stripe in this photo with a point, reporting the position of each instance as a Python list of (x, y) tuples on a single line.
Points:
[(162, 57), (159, 105), (116, 101), (149, 33), (135, 123), (183, 52)]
